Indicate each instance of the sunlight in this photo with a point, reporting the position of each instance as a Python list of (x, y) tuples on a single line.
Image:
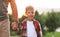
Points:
[(9, 9), (40, 5)]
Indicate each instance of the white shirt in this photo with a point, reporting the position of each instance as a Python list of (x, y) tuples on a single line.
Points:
[(31, 29)]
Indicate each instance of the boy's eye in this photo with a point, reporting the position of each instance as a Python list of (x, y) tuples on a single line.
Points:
[(28, 12), (32, 12)]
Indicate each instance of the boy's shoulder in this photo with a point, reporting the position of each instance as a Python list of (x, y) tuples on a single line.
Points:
[(36, 20), (24, 20)]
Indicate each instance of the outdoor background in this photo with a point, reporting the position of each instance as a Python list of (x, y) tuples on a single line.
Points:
[(47, 13), (50, 23)]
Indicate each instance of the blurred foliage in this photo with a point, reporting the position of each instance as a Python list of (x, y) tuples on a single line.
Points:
[(53, 20)]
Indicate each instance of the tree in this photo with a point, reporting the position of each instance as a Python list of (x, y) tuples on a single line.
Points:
[(58, 19), (37, 15), (51, 22)]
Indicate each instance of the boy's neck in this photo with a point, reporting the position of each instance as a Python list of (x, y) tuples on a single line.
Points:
[(29, 19)]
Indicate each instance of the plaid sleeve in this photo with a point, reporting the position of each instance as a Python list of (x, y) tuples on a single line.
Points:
[(40, 29)]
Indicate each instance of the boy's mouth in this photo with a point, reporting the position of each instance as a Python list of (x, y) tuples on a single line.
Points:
[(31, 16)]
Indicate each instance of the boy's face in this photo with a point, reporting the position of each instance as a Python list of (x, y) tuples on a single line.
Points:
[(30, 14)]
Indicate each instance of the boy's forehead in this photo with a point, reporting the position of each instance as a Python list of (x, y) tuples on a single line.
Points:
[(30, 10)]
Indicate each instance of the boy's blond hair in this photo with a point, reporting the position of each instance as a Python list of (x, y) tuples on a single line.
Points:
[(29, 8)]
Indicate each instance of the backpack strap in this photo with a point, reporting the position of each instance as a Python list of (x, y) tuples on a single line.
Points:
[(37, 28)]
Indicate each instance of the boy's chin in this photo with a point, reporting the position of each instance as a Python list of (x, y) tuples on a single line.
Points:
[(30, 19)]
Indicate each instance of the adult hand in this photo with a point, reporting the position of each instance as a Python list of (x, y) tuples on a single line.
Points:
[(14, 25)]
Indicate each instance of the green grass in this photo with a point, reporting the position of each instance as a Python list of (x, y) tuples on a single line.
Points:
[(16, 36), (48, 34), (13, 33), (56, 34)]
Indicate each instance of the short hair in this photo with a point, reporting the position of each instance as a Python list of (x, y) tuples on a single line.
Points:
[(29, 7)]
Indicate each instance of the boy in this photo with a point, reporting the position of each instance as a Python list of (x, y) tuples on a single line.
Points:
[(30, 27)]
